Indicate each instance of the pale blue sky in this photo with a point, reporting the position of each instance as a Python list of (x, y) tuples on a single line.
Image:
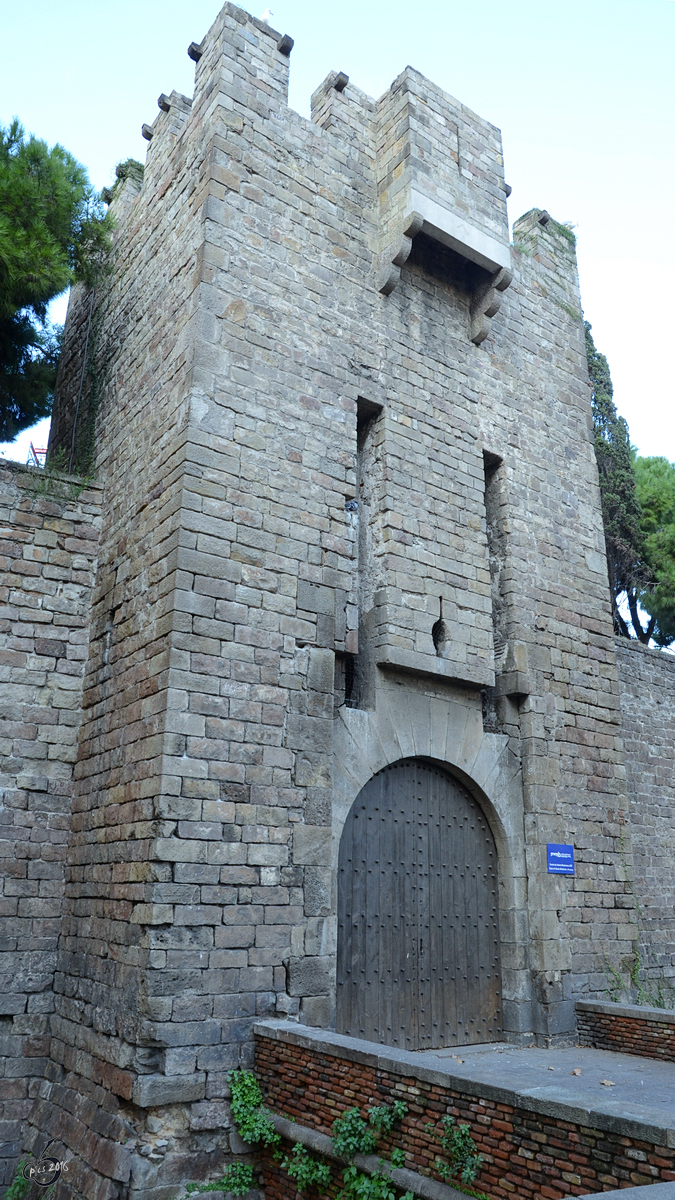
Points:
[(583, 93)]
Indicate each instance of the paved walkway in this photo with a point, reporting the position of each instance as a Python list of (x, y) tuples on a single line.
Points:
[(643, 1089)]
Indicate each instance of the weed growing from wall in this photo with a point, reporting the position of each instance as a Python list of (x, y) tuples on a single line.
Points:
[(638, 988), (237, 1179), (308, 1172), (254, 1125), (352, 1134), (462, 1159), (53, 481)]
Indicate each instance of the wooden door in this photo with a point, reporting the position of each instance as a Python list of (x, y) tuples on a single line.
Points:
[(418, 919)]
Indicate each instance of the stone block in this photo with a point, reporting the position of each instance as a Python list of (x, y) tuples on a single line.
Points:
[(311, 846), (313, 770), (318, 890), (210, 1114), (152, 914), (318, 1011), (310, 976), (151, 1091), (314, 598)]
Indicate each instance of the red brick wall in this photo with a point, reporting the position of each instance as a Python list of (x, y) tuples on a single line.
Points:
[(647, 1036), (525, 1155)]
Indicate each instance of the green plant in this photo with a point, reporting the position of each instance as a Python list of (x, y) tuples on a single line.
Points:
[(460, 1150), (253, 1123), (383, 1118), (19, 1186), (564, 231), (615, 980), (236, 1179), (305, 1170), (398, 1157), (351, 1135), (358, 1186), (53, 482), (53, 232), (638, 988), (571, 312), (129, 169)]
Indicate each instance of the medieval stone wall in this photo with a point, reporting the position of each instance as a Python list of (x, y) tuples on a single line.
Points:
[(48, 553), (300, 463), (647, 679)]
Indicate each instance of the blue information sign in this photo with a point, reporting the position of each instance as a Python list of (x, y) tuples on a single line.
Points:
[(560, 859)]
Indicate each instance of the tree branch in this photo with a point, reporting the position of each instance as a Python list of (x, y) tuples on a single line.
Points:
[(639, 631), (650, 629), (619, 622)]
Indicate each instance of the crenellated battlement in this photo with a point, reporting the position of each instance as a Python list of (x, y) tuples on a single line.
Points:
[(434, 165)]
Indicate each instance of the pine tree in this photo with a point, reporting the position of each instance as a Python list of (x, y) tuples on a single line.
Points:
[(655, 478), (52, 233)]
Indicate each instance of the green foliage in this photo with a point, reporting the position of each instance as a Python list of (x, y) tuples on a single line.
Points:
[(54, 483), (236, 1179), (20, 1186), (359, 1186), (460, 1150), (638, 511), (621, 513), (564, 231), (253, 1123), (129, 169), (53, 232), (629, 984), (655, 486), (29, 358), (351, 1135), (307, 1171), (383, 1119)]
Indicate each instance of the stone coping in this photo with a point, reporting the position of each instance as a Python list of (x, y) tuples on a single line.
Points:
[(320, 1143), (639, 1012), (432, 1069), (650, 1191)]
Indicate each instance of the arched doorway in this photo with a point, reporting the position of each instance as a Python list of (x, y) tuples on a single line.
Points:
[(418, 921)]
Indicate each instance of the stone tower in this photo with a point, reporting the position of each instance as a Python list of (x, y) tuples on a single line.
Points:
[(350, 520)]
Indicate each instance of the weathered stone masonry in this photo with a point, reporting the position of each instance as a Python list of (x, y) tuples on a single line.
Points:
[(48, 550), (648, 726), (330, 398)]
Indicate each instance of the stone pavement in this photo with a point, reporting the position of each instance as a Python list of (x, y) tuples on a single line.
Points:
[(643, 1091)]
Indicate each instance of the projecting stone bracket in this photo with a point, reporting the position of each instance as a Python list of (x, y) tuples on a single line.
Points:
[(450, 228), (487, 300), (397, 253)]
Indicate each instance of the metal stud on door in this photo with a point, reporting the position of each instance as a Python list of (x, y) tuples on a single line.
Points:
[(418, 918)]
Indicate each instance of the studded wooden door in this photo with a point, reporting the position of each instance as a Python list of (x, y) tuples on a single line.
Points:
[(418, 920)]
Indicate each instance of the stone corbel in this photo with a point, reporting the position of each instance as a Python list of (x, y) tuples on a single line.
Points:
[(515, 679), (487, 300), (397, 253)]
